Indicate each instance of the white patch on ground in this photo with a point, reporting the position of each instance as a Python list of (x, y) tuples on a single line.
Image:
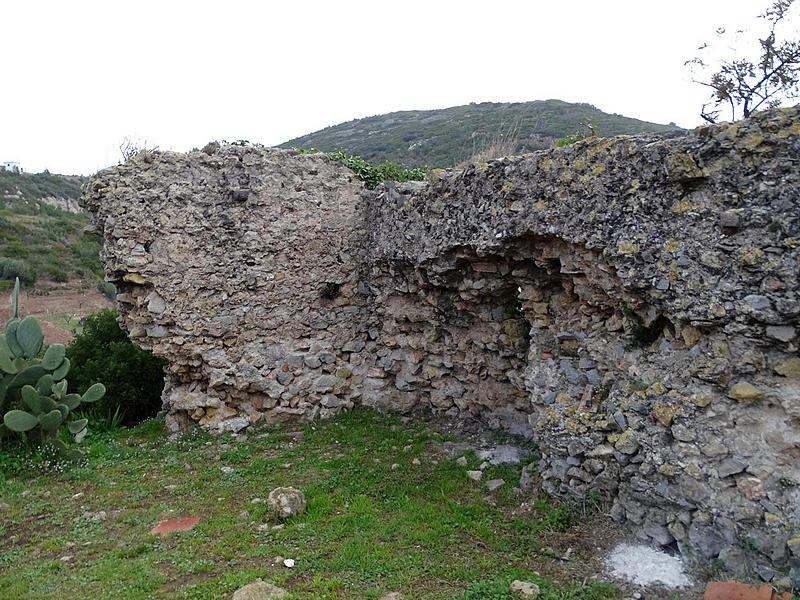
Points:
[(501, 454), (644, 566)]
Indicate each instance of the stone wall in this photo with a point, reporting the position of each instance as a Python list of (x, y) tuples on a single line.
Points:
[(632, 304)]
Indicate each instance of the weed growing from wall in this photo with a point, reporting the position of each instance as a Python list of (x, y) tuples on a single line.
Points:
[(372, 175)]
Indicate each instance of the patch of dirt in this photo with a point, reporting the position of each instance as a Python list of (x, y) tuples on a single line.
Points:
[(42, 303)]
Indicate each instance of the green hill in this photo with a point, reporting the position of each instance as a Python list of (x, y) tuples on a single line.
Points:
[(443, 138), (41, 230)]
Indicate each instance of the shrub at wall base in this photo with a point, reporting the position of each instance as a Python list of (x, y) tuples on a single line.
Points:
[(134, 376)]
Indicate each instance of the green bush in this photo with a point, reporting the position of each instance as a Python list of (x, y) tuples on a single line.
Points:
[(11, 268), (372, 175), (58, 274), (134, 376)]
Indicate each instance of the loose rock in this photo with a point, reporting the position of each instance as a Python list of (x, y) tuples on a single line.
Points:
[(524, 589), (259, 590), (285, 502)]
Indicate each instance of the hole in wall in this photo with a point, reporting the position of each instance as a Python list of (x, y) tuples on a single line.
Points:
[(331, 290), (644, 335)]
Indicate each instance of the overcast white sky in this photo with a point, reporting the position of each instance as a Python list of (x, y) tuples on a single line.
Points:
[(80, 76)]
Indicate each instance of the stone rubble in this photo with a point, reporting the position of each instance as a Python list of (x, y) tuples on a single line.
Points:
[(630, 304)]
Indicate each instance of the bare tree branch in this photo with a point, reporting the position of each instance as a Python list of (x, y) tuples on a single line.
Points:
[(747, 85)]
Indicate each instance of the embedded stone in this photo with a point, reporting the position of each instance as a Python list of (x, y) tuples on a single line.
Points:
[(729, 218), (789, 367), (312, 362), (134, 278), (664, 413), (782, 333), (730, 467), (155, 303), (627, 442), (757, 302), (324, 383), (751, 488), (794, 546), (691, 335), (744, 392), (733, 590), (682, 167)]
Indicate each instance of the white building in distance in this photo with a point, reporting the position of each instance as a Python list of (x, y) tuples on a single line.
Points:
[(11, 166)]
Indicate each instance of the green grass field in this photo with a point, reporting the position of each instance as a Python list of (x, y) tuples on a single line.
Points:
[(422, 528)]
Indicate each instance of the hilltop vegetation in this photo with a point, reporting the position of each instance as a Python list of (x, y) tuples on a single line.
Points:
[(30, 188), (38, 240), (443, 138)]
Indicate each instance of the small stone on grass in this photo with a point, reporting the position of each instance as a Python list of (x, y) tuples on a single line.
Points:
[(524, 589), (475, 475), (286, 502), (259, 590)]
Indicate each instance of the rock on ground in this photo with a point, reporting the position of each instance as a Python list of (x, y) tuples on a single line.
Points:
[(524, 589), (286, 502), (259, 590)]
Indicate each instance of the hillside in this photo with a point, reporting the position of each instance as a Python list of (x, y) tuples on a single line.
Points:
[(41, 230), (442, 138)]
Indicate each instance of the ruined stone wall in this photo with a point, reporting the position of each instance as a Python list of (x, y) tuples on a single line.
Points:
[(632, 304), (242, 269)]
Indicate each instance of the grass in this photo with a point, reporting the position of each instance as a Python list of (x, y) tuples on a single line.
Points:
[(422, 529)]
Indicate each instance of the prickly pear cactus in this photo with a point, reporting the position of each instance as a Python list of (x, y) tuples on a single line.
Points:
[(35, 388)]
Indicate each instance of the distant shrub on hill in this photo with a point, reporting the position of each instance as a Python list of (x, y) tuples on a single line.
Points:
[(11, 268)]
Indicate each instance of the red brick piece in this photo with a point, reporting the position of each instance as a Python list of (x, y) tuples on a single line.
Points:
[(170, 525), (733, 590)]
